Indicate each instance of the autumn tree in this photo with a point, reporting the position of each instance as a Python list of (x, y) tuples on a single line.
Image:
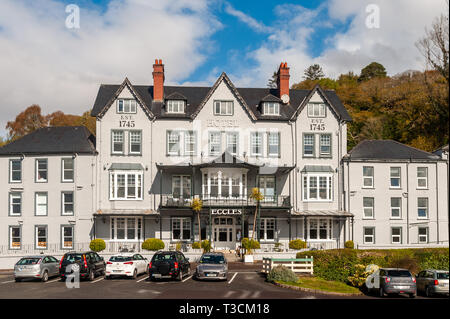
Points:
[(313, 72), (371, 71), (26, 122)]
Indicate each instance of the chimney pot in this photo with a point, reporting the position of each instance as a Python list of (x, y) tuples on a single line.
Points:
[(283, 79), (158, 81)]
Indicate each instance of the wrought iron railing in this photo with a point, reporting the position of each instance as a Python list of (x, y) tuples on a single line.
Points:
[(170, 201)]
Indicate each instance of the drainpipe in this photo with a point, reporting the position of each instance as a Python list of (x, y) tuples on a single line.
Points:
[(407, 202), (437, 203)]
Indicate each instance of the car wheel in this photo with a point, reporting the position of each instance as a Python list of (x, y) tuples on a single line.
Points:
[(45, 276), (135, 274), (381, 291), (180, 275), (189, 271), (428, 292), (107, 277), (18, 279), (412, 295), (91, 275)]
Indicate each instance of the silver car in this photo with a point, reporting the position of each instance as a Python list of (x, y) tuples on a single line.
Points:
[(38, 267), (432, 282), (212, 266)]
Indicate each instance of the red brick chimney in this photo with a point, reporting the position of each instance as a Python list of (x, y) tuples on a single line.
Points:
[(158, 81), (283, 79)]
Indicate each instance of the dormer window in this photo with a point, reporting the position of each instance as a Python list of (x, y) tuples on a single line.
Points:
[(271, 108), (125, 106), (316, 110), (175, 106)]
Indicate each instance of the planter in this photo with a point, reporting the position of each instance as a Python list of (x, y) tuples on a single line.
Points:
[(248, 258)]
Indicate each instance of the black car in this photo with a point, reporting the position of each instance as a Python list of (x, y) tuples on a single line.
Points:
[(89, 264), (169, 264)]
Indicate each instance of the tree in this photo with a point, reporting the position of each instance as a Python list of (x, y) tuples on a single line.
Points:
[(273, 81), (256, 196), (313, 72), (197, 206), (26, 122), (371, 71)]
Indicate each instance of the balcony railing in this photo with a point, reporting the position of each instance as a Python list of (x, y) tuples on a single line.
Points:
[(168, 200)]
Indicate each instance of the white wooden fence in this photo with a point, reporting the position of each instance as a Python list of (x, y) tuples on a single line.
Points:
[(297, 265)]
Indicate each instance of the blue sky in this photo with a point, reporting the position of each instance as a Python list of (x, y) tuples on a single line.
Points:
[(59, 68)]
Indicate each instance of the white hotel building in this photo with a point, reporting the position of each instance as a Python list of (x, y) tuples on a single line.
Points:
[(158, 147)]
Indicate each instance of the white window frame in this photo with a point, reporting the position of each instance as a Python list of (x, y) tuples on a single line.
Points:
[(64, 203), (422, 178), (270, 143), (265, 222), (365, 236), (329, 225), (230, 144), (138, 229), (63, 236), (182, 183), (256, 140), (372, 208), (395, 236), (316, 109), (190, 138), (399, 177), (223, 107), (38, 169), (64, 170), (132, 106), (271, 108), (396, 207), (36, 236), (11, 237), (322, 154), (313, 145), (421, 236), (307, 187), (182, 221), (115, 134), (176, 106), (368, 177), (214, 139), (11, 171), (170, 138), (12, 196), (36, 204), (426, 208), (135, 142), (113, 186)]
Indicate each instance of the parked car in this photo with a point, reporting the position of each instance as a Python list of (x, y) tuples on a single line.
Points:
[(169, 264), (431, 282), (212, 266), (39, 267), (88, 263), (130, 265), (396, 281)]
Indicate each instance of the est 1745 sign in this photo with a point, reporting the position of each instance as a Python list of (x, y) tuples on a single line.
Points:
[(317, 125)]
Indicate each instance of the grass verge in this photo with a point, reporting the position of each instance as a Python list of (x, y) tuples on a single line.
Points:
[(323, 285)]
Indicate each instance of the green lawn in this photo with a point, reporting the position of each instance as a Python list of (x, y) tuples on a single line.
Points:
[(322, 284)]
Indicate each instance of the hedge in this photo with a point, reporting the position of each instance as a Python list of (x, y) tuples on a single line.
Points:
[(340, 264), (153, 244), (297, 244)]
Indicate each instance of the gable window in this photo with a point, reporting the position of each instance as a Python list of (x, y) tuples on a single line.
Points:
[(316, 110), (175, 106), (256, 143), (67, 237), (422, 177), (396, 207), (117, 142), (325, 145), (232, 142), (125, 185), (395, 177), (422, 207), (367, 176), (273, 142), (369, 235), (317, 187), (67, 203), (15, 204), (308, 145), (181, 228), (126, 106), (190, 143), (214, 143), (368, 207), (41, 170), (126, 228), (135, 142), (267, 229), (41, 237), (15, 237), (15, 171), (181, 186), (223, 107), (173, 143), (67, 169), (271, 108), (41, 204), (396, 235), (423, 235)]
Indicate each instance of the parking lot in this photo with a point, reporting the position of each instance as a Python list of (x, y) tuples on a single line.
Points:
[(244, 282)]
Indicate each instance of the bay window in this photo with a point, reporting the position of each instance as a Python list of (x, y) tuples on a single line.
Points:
[(266, 185), (125, 185), (126, 228), (317, 187), (181, 228)]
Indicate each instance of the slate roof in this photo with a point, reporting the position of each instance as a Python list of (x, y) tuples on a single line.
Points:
[(194, 97), (53, 140), (387, 150)]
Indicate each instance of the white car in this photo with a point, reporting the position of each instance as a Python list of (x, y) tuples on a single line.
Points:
[(130, 265)]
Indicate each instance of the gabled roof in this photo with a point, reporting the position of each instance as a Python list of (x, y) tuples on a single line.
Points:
[(226, 160), (175, 96), (53, 140), (387, 150), (271, 98)]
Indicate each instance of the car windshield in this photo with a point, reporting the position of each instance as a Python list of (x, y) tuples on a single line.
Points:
[(28, 261), (399, 273), (442, 275), (120, 258), (73, 257), (212, 259), (163, 257)]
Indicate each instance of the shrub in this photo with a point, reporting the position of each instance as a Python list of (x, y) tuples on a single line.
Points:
[(349, 244), (153, 244), (358, 278), (297, 244), (250, 244), (97, 245), (196, 245), (281, 273), (178, 246), (206, 245)]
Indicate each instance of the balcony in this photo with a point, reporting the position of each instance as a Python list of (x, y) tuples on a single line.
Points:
[(275, 201)]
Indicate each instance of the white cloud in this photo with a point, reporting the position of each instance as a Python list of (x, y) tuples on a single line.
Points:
[(43, 62), (250, 21)]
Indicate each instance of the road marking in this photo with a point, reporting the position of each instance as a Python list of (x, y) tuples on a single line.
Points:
[(93, 282), (143, 279), (228, 294), (245, 294), (5, 282), (187, 278), (235, 274), (55, 280), (256, 294)]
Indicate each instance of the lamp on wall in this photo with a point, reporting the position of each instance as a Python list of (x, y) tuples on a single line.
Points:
[(104, 220), (157, 219)]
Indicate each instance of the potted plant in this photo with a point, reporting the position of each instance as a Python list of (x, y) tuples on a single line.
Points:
[(249, 245)]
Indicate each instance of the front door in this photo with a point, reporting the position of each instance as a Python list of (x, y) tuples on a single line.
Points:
[(223, 233)]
